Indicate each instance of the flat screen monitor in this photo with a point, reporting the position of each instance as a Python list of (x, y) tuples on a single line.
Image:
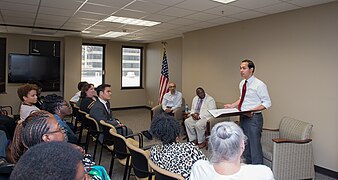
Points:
[(23, 68)]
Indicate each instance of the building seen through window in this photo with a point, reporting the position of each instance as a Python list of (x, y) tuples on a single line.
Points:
[(131, 67), (92, 64)]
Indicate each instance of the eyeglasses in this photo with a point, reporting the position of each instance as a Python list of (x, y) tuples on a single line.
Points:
[(61, 130)]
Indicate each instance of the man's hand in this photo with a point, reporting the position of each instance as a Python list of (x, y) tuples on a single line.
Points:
[(228, 106), (196, 116), (168, 110)]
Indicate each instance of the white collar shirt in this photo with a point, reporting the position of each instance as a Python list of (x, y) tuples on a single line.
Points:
[(256, 94), (172, 101), (104, 103)]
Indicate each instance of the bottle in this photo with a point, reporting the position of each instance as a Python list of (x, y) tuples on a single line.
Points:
[(186, 108)]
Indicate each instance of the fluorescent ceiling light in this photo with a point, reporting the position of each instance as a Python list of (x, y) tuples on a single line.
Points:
[(113, 34), (224, 1), (131, 21), (86, 32)]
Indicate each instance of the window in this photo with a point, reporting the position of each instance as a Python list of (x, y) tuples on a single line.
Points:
[(131, 67), (92, 64)]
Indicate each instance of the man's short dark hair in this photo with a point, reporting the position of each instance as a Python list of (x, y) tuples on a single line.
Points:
[(101, 88), (250, 64), (81, 84), (165, 128), (49, 160)]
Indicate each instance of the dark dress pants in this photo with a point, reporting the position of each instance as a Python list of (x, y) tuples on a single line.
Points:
[(252, 128)]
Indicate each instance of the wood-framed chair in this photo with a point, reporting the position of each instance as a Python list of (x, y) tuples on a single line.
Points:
[(95, 132), (139, 162), (121, 151), (288, 150), (162, 174)]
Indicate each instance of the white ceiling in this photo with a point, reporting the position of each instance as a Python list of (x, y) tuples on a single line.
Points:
[(70, 17)]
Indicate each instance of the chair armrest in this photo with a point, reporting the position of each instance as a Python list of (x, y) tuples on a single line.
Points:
[(268, 129), (280, 140), (140, 137), (178, 113)]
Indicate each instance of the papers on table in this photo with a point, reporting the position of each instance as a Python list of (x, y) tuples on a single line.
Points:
[(218, 112)]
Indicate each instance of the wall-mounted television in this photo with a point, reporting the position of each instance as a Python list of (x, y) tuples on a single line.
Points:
[(23, 68)]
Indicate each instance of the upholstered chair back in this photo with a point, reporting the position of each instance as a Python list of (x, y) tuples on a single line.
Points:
[(294, 129)]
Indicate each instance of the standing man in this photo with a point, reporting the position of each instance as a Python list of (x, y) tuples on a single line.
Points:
[(172, 99), (254, 96), (101, 110), (196, 123)]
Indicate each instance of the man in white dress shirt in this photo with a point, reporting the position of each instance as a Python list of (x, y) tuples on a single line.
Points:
[(172, 99), (254, 96)]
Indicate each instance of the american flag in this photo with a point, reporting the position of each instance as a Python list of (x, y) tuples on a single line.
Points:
[(164, 79)]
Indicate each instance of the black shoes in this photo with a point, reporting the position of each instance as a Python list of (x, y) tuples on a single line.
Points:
[(147, 134)]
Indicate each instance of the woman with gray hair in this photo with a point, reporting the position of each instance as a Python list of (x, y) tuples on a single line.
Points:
[(227, 143)]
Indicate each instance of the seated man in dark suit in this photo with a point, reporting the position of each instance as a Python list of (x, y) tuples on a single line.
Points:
[(101, 110)]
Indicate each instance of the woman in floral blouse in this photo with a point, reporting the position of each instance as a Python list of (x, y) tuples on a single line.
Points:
[(171, 154)]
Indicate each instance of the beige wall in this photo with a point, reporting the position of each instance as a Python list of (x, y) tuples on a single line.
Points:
[(19, 44), (154, 65), (295, 55), (120, 98)]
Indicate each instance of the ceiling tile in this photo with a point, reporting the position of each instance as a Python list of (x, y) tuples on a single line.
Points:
[(225, 10), (167, 26), (18, 7), (223, 20), (158, 18), (306, 3), (52, 17), (17, 14), (183, 21), (48, 24), (19, 21), (99, 9), (247, 15), (250, 4), (202, 16), (29, 2), (166, 2), (177, 12), (62, 4), (197, 5), (88, 15), (147, 7), (130, 14), (204, 25), (56, 11), (276, 8), (112, 3)]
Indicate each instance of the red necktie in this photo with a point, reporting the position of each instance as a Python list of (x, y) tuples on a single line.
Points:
[(242, 97)]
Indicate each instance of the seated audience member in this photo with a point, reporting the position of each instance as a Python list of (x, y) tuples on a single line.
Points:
[(7, 124), (3, 147), (172, 99), (196, 123), (77, 95), (227, 143), (41, 127), (38, 93), (60, 109), (54, 160), (87, 98), (171, 154), (28, 96), (101, 110)]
